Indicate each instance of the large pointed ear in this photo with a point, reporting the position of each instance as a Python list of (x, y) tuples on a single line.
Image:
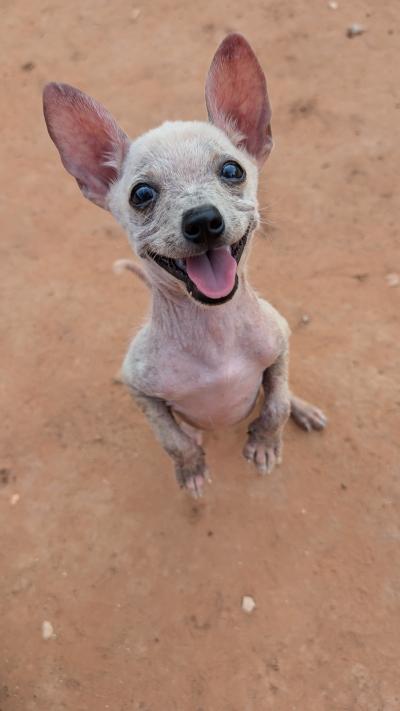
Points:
[(237, 99), (91, 145)]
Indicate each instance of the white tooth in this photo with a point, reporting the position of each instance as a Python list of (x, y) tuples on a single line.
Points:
[(180, 263)]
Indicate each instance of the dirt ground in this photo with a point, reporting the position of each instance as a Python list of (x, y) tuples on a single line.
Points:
[(143, 586)]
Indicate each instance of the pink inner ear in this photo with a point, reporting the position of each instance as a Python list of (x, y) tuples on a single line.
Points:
[(236, 95), (91, 144)]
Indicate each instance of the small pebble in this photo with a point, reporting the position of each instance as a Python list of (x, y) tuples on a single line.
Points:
[(14, 499), (362, 276), (248, 604), (333, 4), (28, 66), (47, 630), (392, 279), (354, 30), (135, 13), (305, 318)]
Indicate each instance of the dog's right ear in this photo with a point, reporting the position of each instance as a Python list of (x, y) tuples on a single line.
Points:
[(91, 144), (237, 99)]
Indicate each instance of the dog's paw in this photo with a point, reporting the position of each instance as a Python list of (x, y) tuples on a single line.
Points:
[(264, 454), (307, 416), (192, 473), (194, 484)]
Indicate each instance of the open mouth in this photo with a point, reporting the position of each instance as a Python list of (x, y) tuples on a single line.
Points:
[(211, 277)]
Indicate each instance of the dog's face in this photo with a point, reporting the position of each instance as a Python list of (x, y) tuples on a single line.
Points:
[(185, 192), (187, 197)]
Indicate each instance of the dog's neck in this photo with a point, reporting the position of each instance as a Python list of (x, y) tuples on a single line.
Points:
[(193, 325)]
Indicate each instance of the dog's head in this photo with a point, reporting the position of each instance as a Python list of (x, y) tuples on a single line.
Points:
[(186, 192)]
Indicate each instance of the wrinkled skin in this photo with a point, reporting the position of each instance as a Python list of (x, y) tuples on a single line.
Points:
[(199, 362)]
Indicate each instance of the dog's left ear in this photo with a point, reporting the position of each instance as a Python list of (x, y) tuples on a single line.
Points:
[(236, 96), (92, 147)]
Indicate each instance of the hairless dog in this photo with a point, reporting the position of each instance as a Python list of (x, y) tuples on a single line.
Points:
[(186, 193)]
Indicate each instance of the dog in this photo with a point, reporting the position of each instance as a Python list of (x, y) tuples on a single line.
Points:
[(186, 194)]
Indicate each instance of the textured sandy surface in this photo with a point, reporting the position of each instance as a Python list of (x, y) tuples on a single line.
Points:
[(142, 587)]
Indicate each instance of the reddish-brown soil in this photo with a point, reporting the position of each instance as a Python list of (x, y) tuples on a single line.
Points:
[(143, 586)]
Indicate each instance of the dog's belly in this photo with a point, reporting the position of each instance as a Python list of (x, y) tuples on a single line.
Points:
[(219, 400)]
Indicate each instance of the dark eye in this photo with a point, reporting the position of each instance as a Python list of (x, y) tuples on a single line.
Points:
[(232, 171), (142, 195)]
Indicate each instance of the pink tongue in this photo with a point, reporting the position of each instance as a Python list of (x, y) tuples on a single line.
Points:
[(213, 273)]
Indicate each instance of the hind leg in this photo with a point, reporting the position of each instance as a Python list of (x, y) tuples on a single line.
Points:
[(192, 432), (307, 416)]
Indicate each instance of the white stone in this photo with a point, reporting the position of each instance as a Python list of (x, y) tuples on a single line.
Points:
[(47, 630), (392, 279), (248, 604)]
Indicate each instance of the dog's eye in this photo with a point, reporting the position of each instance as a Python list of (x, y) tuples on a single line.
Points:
[(142, 195), (233, 171)]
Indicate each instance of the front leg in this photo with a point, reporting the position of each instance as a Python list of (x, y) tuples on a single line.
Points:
[(187, 455), (264, 442)]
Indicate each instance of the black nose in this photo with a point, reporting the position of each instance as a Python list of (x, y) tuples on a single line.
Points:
[(202, 223)]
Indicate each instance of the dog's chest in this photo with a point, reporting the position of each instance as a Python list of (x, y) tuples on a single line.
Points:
[(215, 396), (208, 368), (215, 384)]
